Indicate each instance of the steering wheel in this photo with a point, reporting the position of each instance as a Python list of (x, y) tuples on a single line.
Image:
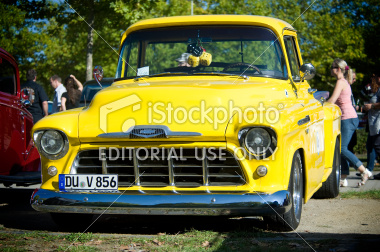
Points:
[(242, 64)]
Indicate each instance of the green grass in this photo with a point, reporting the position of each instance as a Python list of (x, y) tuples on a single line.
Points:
[(241, 238), (371, 194), (189, 241), (79, 249), (79, 237)]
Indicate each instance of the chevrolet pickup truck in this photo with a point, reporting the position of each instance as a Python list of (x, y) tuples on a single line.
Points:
[(208, 115)]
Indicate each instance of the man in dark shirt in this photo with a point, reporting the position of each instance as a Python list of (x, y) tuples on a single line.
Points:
[(36, 95)]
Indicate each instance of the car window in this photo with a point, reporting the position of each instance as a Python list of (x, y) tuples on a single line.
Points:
[(232, 48), (89, 92), (293, 58), (7, 77), (90, 89)]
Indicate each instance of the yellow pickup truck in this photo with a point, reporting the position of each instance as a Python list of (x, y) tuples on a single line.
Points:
[(208, 115)]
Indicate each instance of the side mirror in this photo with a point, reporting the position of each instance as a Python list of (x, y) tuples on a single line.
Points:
[(98, 74), (307, 71)]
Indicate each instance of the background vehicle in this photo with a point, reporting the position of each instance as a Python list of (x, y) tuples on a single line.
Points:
[(20, 160), (50, 107), (90, 88), (238, 132)]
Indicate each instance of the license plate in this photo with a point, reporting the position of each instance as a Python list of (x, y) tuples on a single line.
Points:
[(88, 182)]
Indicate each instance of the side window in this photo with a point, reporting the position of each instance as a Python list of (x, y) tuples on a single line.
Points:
[(293, 58), (127, 65), (7, 77)]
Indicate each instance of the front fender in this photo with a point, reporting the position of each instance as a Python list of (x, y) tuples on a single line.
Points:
[(67, 122), (290, 138)]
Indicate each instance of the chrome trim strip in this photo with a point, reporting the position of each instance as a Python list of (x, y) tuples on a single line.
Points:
[(171, 171), (136, 168), (206, 179), (233, 204), (168, 132), (104, 161)]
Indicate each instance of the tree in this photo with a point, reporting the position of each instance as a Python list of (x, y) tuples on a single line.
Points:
[(57, 38), (327, 29), (366, 20), (23, 33), (101, 22)]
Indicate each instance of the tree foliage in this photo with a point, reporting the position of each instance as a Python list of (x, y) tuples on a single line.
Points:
[(52, 36)]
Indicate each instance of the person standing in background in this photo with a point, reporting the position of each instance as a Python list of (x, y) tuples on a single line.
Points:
[(349, 121), (36, 94), (55, 82), (71, 98), (354, 138), (369, 90), (373, 108)]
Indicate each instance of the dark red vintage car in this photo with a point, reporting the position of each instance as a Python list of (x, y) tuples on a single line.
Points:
[(19, 158)]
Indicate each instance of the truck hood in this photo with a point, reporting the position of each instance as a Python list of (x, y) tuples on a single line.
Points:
[(187, 110)]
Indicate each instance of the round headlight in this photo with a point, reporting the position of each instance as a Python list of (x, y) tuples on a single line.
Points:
[(258, 140), (52, 142)]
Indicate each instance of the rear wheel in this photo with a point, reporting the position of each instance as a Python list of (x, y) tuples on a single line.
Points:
[(70, 221), (290, 220), (330, 188)]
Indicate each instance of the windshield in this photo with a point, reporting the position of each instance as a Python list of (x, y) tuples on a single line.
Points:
[(252, 51)]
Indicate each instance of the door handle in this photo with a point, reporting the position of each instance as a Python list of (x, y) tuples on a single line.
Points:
[(304, 120)]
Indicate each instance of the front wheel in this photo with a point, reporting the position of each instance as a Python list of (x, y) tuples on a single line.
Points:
[(290, 220)]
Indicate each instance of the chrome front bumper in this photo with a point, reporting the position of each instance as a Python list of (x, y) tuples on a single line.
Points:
[(164, 203)]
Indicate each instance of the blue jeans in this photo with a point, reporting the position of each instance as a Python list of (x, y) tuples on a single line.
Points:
[(371, 154), (348, 127)]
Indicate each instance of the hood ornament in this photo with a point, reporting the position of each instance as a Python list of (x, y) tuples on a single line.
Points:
[(149, 131)]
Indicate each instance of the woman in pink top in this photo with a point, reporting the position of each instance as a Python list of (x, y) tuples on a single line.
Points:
[(349, 121)]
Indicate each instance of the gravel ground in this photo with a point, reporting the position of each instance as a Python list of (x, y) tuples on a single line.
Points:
[(341, 216)]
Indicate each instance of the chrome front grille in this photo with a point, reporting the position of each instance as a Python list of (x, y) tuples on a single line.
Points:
[(158, 167), (147, 133)]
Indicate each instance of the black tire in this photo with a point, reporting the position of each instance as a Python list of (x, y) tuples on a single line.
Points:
[(72, 222), (290, 220), (330, 188)]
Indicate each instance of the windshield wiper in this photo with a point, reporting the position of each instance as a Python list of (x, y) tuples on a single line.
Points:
[(192, 73), (161, 74), (223, 74)]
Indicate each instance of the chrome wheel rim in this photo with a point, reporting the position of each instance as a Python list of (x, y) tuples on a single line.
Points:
[(337, 167), (297, 189)]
